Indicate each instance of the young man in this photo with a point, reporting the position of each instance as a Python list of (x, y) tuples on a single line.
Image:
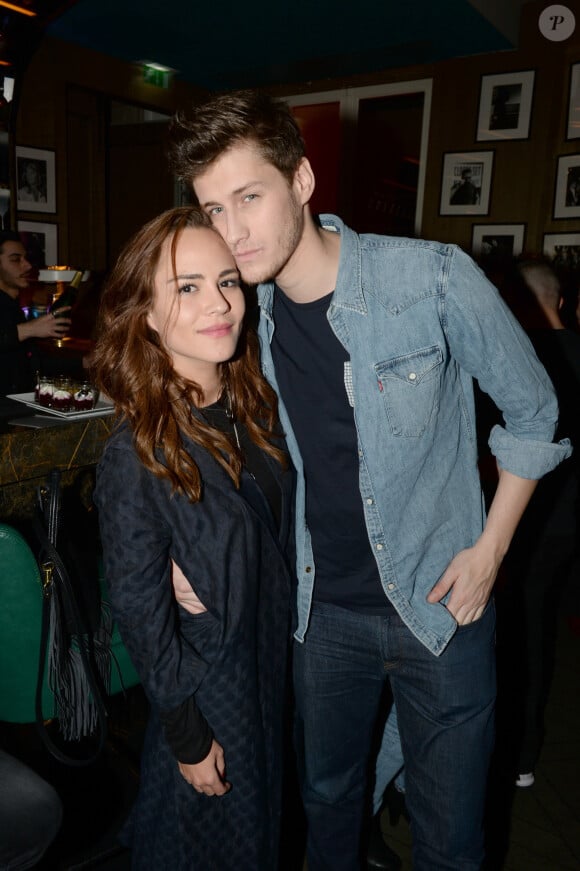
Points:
[(372, 343), (18, 360)]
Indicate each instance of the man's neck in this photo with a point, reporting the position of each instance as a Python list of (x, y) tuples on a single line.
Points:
[(312, 270)]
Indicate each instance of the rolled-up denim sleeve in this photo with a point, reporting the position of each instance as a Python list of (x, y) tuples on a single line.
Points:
[(526, 458), (488, 342)]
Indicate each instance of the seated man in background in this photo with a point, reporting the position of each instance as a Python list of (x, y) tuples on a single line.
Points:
[(18, 354)]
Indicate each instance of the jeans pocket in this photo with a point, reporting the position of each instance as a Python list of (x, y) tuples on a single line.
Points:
[(476, 625)]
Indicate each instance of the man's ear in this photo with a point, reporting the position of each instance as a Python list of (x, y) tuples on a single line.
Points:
[(304, 182)]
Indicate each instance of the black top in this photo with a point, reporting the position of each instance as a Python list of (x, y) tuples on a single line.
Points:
[(18, 360), (254, 462), (559, 351), (310, 370), (554, 506)]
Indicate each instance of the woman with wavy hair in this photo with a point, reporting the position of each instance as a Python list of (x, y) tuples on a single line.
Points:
[(194, 498)]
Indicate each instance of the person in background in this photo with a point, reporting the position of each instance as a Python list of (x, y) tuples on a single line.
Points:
[(464, 193), (30, 815), (546, 542), (372, 344), (19, 360), (194, 494)]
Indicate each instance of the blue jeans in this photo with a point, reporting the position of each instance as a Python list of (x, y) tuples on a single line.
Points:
[(390, 763), (445, 710)]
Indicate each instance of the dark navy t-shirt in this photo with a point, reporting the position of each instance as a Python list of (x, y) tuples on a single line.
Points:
[(310, 363)]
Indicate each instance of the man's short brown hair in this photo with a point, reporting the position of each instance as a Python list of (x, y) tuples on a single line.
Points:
[(9, 236), (199, 137)]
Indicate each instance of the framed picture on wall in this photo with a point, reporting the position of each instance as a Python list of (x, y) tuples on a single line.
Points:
[(563, 249), (505, 106), (466, 182), (41, 243), (35, 179), (567, 196), (573, 131), (5, 195), (489, 240)]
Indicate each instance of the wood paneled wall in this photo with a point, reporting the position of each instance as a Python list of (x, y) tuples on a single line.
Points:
[(523, 175), (524, 172), (64, 105)]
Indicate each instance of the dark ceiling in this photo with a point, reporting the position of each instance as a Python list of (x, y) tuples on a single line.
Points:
[(261, 43)]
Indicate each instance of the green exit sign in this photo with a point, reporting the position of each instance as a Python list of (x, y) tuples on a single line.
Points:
[(156, 76)]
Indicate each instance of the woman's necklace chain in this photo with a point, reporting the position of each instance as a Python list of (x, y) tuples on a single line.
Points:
[(230, 415)]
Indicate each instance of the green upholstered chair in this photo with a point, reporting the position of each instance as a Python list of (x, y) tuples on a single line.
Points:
[(20, 625)]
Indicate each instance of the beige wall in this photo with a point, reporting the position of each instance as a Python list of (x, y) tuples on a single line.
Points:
[(61, 75)]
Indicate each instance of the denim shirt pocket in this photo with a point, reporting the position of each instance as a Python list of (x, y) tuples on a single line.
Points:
[(410, 390)]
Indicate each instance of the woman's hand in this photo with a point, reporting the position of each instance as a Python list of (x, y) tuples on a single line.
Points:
[(208, 776)]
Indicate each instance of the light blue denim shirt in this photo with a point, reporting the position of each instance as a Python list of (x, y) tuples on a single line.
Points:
[(419, 321)]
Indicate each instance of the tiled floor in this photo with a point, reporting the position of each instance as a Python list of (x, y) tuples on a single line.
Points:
[(536, 829)]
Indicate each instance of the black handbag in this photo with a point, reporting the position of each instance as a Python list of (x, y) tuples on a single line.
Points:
[(75, 645)]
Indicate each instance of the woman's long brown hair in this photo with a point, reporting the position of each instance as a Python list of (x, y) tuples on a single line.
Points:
[(132, 367)]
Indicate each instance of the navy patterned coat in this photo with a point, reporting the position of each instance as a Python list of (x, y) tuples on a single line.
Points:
[(232, 658)]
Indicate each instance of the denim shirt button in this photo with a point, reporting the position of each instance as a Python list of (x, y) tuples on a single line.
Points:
[(412, 376), (308, 569), (390, 586), (369, 501), (379, 546)]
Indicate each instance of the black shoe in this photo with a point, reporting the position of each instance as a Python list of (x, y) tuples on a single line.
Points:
[(380, 857), (394, 802)]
